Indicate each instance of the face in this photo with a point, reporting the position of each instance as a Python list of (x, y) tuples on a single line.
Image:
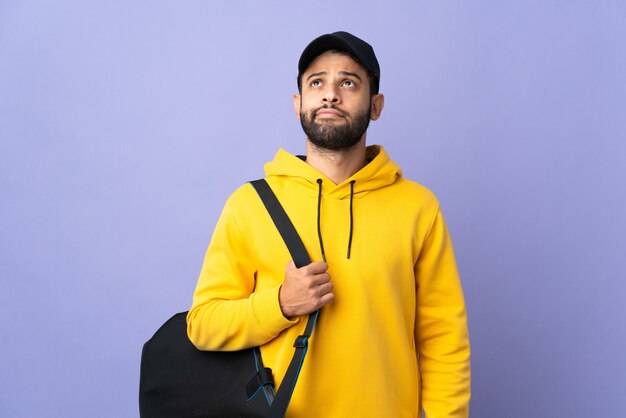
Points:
[(335, 105)]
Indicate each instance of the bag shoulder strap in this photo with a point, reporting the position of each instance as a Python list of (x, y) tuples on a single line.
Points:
[(301, 258), (283, 223)]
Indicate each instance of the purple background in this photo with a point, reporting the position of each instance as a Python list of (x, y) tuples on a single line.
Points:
[(125, 125)]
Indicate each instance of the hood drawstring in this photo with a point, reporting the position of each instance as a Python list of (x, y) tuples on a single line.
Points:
[(319, 217), (351, 218)]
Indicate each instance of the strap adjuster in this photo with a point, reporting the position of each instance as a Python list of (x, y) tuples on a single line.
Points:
[(261, 378), (301, 342)]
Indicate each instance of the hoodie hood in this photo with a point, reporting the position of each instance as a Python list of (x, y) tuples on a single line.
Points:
[(379, 172)]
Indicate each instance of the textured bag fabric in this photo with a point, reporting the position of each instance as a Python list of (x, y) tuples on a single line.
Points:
[(178, 380)]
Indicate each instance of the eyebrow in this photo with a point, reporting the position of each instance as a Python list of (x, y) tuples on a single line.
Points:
[(344, 73), (355, 75), (316, 75)]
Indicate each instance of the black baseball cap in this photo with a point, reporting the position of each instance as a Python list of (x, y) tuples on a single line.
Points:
[(345, 42)]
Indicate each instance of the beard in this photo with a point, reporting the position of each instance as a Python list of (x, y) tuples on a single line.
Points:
[(332, 136)]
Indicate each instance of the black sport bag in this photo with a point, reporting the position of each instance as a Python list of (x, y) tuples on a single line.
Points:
[(179, 381)]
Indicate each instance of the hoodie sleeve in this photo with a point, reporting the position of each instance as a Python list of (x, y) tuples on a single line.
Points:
[(227, 314), (441, 328)]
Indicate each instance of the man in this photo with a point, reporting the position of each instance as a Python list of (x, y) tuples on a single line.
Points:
[(392, 337)]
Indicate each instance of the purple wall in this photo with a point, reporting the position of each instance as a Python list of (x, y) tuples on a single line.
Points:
[(125, 125)]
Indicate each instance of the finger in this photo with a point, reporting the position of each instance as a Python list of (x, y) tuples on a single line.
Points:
[(325, 289), (315, 268), (326, 299), (291, 266), (320, 279)]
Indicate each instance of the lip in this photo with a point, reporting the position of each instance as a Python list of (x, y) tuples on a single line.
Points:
[(328, 113)]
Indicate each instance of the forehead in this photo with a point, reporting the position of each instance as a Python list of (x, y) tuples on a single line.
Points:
[(333, 61)]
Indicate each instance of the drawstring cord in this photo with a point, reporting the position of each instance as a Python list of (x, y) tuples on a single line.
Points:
[(351, 217), (319, 216)]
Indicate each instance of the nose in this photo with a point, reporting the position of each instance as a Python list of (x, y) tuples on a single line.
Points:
[(331, 95)]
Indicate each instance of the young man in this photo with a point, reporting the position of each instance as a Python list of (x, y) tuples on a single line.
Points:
[(392, 337)]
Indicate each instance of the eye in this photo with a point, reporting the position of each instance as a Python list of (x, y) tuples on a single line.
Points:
[(348, 83), (316, 83)]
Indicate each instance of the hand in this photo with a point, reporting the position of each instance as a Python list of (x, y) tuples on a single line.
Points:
[(305, 290)]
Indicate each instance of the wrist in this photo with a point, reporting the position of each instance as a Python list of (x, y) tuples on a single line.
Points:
[(283, 308)]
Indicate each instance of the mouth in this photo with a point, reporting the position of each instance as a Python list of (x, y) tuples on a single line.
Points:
[(329, 113)]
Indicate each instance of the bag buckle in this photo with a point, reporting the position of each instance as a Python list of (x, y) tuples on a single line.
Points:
[(261, 378), (301, 342)]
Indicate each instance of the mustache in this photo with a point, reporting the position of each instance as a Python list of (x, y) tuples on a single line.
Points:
[(343, 112)]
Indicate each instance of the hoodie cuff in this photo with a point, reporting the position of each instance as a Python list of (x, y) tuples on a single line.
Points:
[(267, 311)]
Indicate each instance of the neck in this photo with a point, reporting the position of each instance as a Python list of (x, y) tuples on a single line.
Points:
[(337, 165)]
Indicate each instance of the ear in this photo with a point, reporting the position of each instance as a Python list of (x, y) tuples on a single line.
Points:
[(297, 104), (378, 102)]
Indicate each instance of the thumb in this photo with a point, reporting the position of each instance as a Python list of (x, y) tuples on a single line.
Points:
[(291, 266)]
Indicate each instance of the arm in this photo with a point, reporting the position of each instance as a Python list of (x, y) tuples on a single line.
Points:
[(441, 328), (227, 313)]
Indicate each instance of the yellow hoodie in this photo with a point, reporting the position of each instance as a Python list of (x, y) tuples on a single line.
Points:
[(395, 338)]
